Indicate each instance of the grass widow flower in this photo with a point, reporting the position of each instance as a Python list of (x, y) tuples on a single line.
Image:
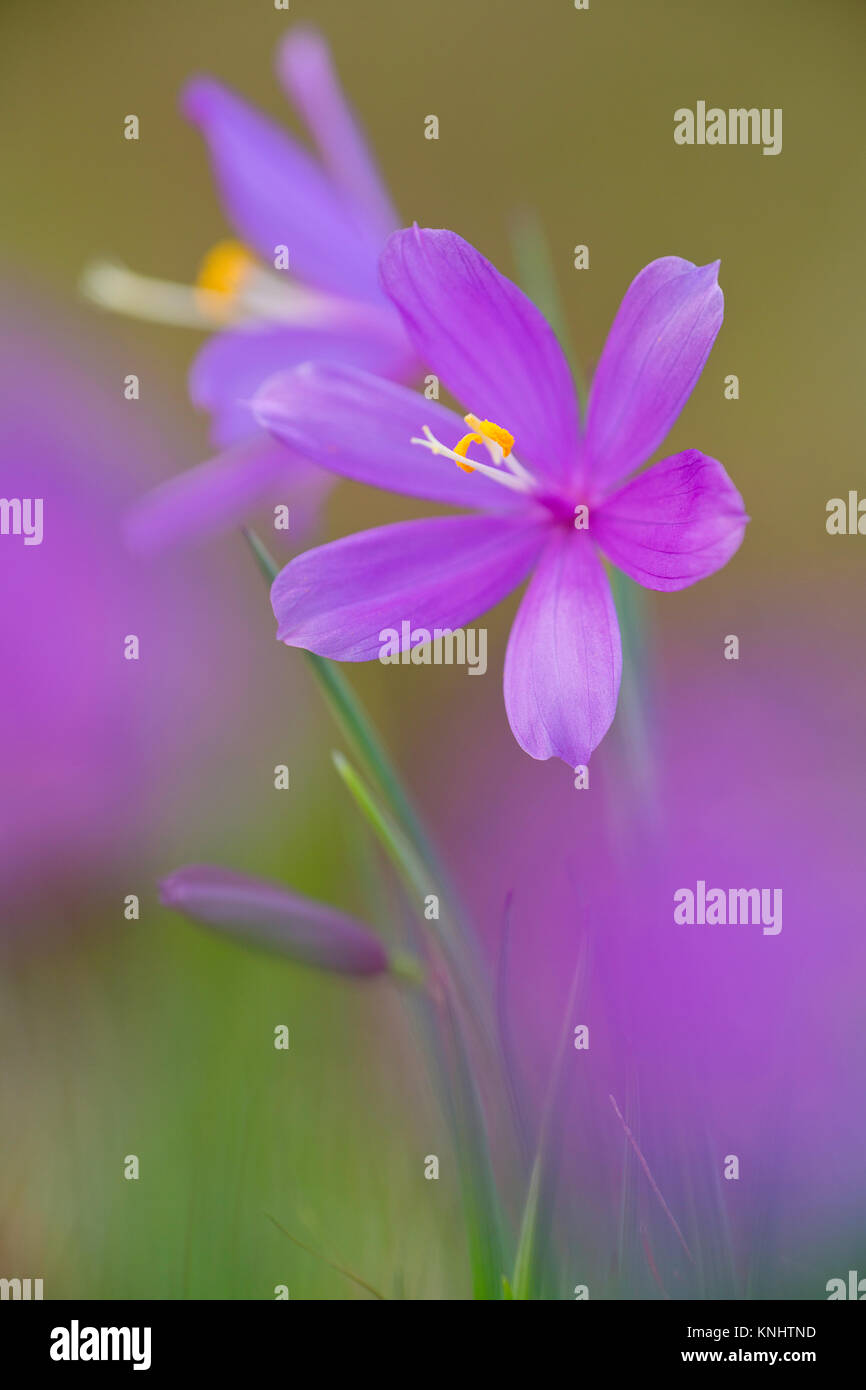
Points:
[(552, 494), (329, 217)]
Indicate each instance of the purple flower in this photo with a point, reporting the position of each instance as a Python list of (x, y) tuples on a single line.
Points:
[(328, 218), (266, 914), (554, 512), (332, 216)]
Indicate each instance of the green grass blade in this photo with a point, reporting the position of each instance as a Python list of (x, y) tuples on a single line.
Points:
[(524, 1262), (352, 720), (524, 1279)]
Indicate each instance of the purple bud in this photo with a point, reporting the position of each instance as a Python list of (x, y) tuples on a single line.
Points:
[(266, 914)]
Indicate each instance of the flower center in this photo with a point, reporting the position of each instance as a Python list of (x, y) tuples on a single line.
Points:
[(499, 444), (505, 468), (225, 268), (233, 287), (233, 284), (483, 432)]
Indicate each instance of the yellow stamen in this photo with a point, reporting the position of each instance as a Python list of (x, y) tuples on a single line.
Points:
[(225, 268), (481, 430)]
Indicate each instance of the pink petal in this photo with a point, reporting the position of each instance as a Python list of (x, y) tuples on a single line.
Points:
[(233, 364), (360, 426), (674, 524), (308, 75), (487, 343), (275, 194), (654, 354), (338, 600), (222, 493), (564, 659)]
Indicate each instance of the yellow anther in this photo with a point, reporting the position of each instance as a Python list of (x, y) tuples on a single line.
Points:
[(483, 430), (462, 445), (225, 268), (492, 431)]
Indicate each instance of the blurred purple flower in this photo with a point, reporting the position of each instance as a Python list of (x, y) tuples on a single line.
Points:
[(714, 1040), (266, 914), (90, 739), (554, 512), (329, 219), (333, 218)]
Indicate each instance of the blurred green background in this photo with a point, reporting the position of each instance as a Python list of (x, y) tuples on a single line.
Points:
[(152, 1038)]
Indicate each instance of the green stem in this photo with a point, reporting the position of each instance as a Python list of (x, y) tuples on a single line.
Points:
[(407, 969), (525, 1279), (398, 829), (467, 1115), (416, 877), (398, 847), (426, 873), (356, 726)]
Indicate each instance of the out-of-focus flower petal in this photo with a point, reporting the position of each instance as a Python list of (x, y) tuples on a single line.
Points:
[(655, 352), (232, 366), (564, 657), (307, 72), (360, 426), (338, 600), (220, 494), (266, 914), (487, 343), (676, 523), (275, 194), (77, 732)]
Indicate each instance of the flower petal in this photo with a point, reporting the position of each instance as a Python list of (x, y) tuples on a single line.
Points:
[(222, 492), (360, 426), (654, 354), (676, 523), (266, 914), (232, 365), (339, 599), (275, 194), (564, 658), (486, 342), (307, 72)]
